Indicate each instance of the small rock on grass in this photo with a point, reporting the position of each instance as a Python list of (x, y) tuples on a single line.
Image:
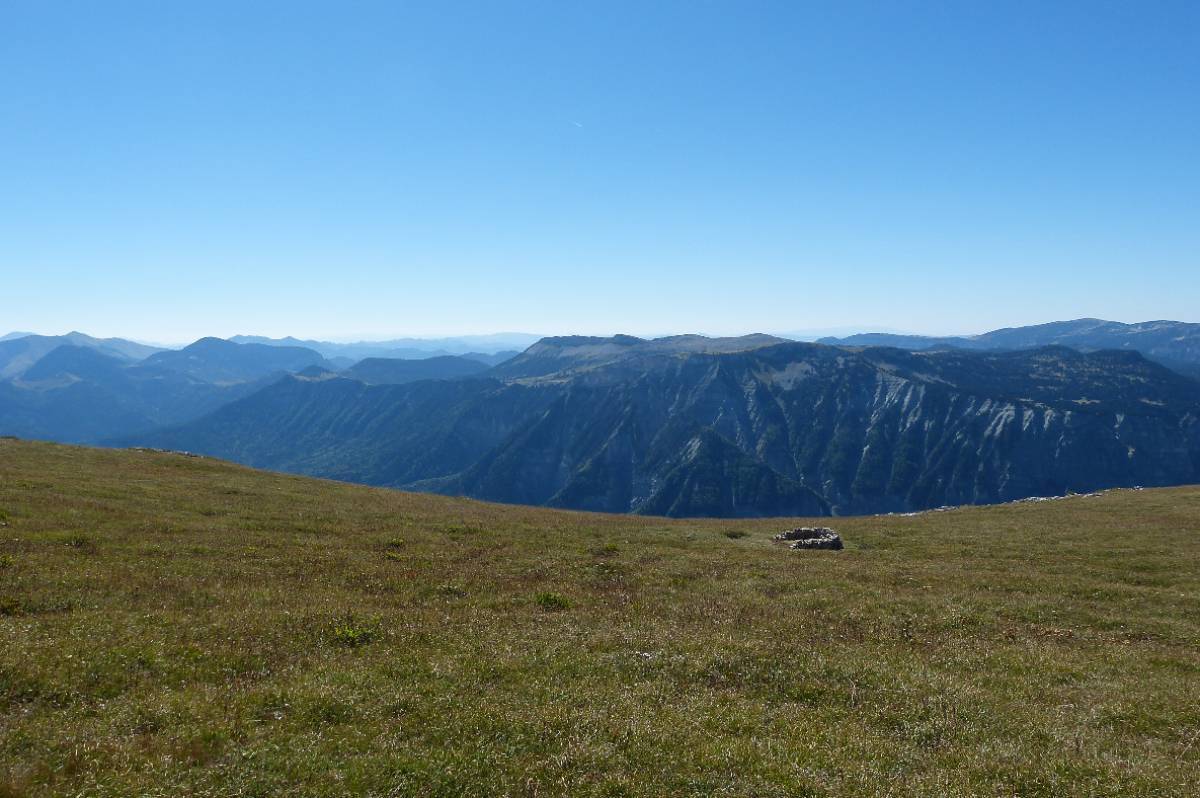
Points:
[(811, 537)]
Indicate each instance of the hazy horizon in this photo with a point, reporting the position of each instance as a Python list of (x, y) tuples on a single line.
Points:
[(388, 337), (368, 338)]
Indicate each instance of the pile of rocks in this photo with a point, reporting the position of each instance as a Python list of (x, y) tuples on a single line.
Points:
[(156, 450), (811, 537)]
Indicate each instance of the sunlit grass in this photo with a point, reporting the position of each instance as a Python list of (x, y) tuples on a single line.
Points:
[(180, 626)]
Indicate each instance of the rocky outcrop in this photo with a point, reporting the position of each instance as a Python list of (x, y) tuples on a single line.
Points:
[(811, 537)]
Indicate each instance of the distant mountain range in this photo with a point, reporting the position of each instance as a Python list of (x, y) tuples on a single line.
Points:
[(11, 335), (79, 389), (18, 352), (80, 394), (219, 361), (1175, 344), (490, 349), (680, 426), (690, 426)]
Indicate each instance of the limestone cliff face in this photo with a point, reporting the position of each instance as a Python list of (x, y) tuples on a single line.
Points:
[(735, 427)]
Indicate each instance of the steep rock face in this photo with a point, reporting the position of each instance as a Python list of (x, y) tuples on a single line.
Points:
[(346, 429), (712, 477), (738, 427), (893, 431)]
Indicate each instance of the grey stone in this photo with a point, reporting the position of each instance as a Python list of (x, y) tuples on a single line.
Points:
[(811, 537)]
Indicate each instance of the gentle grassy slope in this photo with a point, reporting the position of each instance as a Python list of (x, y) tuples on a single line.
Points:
[(180, 626)]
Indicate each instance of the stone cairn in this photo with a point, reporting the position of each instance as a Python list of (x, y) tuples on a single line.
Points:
[(811, 537)]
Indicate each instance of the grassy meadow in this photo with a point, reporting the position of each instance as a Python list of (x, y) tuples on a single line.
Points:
[(175, 626)]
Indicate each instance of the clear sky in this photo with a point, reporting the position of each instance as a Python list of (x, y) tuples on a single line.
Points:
[(345, 169)]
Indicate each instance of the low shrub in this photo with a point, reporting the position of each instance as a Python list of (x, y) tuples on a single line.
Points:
[(552, 602), (80, 543), (350, 633)]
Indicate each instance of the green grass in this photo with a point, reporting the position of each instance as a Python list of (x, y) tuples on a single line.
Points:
[(553, 602), (180, 626)]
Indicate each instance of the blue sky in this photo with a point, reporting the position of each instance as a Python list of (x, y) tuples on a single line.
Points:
[(376, 169)]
